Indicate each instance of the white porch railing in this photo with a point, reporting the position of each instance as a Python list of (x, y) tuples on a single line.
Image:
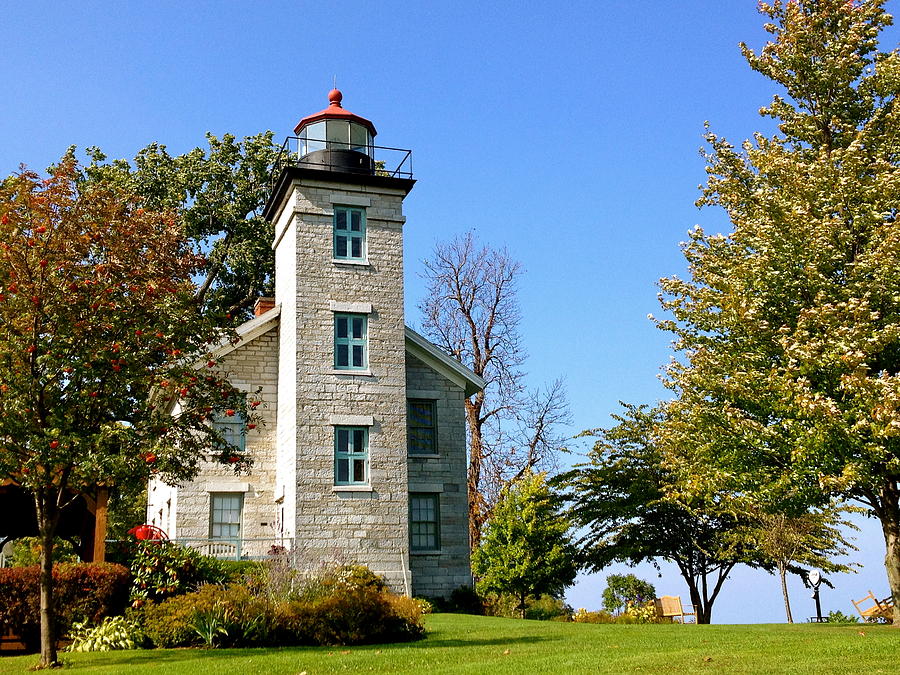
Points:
[(238, 549)]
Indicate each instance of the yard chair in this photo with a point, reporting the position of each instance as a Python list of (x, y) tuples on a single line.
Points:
[(879, 609), (670, 607)]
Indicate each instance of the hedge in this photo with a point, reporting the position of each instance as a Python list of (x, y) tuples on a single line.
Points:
[(82, 592)]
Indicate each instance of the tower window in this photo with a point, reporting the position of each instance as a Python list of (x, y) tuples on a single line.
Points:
[(350, 342), (351, 455), (424, 521), (421, 432), (349, 233)]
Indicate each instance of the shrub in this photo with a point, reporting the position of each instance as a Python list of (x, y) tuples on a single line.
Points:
[(547, 608), (193, 618), (839, 617), (115, 632), (26, 552), (85, 592), (640, 612), (341, 606), (601, 616), (359, 615), (162, 569), (542, 608)]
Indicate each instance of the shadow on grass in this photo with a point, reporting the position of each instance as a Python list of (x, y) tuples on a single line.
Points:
[(161, 657)]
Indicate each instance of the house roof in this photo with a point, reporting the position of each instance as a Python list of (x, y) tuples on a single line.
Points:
[(423, 349), (249, 330), (416, 344)]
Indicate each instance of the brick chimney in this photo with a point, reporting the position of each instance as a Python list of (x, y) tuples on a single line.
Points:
[(263, 305)]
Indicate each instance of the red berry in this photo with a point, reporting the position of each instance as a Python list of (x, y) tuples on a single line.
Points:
[(251, 426), (40, 229), (149, 458), (229, 412), (54, 445)]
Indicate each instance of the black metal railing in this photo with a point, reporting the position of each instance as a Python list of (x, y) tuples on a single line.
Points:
[(331, 155)]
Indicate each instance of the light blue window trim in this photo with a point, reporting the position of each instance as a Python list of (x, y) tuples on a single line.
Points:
[(351, 455), (350, 342), (233, 429), (349, 233)]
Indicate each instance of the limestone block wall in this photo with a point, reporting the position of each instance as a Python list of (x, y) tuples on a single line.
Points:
[(437, 574), (286, 296), (365, 524), (184, 511)]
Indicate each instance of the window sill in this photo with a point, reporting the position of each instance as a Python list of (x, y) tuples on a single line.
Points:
[(353, 263), (352, 488), (422, 455), (358, 373), (436, 551)]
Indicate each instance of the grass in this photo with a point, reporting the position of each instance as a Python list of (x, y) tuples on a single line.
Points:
[(471, 644)]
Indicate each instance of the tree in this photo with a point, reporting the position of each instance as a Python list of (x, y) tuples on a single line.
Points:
[(810, 539), (620, 499), (220, 193), (788, 329), (626, 590), (99, 338), (526, 548), (471, 312)]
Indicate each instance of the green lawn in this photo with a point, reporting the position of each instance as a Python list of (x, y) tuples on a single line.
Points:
[(470, 644)]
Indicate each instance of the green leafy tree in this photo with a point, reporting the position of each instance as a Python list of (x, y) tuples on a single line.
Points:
[(99, 338), (619, 499), (794, 544), (625, 590), (526, 550), (788, 328), (220, 192)]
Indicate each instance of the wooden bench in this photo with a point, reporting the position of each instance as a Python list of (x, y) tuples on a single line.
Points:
[(879, 609), (670, 607)]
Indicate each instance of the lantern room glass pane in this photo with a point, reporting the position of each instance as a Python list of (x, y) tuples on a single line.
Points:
[(315, 136), (359, 138), (338, 134)]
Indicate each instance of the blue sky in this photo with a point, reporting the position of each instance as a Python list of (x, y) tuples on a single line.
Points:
[(566, 132)]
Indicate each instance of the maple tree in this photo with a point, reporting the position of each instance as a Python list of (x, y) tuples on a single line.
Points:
[(788, 329), (105, 376)]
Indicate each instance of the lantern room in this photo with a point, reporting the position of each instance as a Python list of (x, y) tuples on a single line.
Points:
[(335, 139)]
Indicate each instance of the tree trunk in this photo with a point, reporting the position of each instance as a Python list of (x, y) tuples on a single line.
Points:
[(47, 513), (697, 600), (476, 454), (522, 604), (782, 573), (890, 525)]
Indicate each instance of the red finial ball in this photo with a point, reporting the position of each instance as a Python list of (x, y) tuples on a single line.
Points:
[(335, 96)]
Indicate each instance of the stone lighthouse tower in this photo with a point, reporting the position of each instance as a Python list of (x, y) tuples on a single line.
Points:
[(341, 475)]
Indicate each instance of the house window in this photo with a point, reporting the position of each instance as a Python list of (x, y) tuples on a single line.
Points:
[(349, 233), (233, 429), (421, 432), (225, 510), (424, 521), (351, 455), (350, 342)]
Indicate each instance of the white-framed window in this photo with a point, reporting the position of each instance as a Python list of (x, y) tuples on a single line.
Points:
[(226, 511), (424, 521)]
